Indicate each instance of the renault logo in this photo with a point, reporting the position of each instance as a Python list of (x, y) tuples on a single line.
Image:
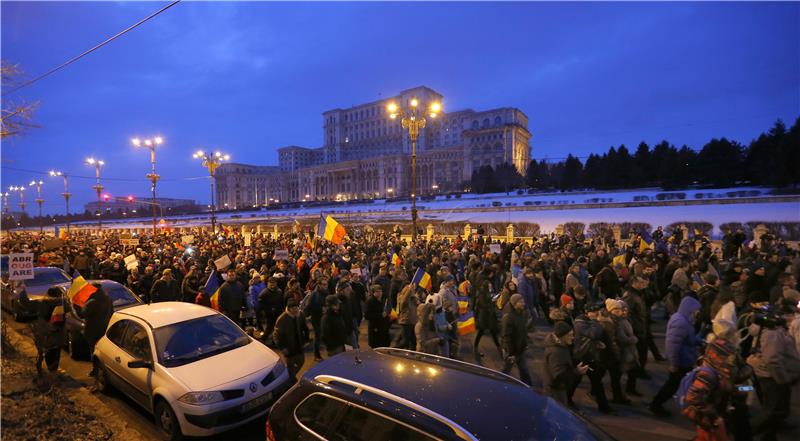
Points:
[(253, 387)]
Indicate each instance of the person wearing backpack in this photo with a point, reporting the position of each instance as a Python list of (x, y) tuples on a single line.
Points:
[(591, 347), (704, 393), (681, 346)]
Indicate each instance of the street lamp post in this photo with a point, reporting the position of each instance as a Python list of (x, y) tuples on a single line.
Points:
[(5, 203), (39, 200), (212, 162), (65, 194), (97, 164), (152, 176), (413, 121), (21, 190)]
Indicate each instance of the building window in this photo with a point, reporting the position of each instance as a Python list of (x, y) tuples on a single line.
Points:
[(475, 124)]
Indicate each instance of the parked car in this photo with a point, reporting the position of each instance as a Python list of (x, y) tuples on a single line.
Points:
[(121, 297), (193, 368), (44, 278), (395, 394)]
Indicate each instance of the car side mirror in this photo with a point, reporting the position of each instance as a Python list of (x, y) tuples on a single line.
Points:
[(135, 364)]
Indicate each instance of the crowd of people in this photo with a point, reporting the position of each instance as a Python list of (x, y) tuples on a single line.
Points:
[(733, 331)]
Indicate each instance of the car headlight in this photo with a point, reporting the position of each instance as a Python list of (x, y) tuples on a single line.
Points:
[(279, 369), (200, 398)]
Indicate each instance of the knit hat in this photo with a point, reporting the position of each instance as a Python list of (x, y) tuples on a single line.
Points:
[(565, 299), (594, 307), (561, 329), (516, 298), (612, 304)]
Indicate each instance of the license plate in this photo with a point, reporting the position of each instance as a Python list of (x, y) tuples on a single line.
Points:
[(252, 404)]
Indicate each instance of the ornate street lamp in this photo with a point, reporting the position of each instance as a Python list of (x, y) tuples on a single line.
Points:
[(152, 176), (212, 162), (39, 200), (97, 164), (413, 120), (66, 192)]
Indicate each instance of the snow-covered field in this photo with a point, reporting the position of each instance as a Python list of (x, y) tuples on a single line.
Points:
[(546, 209)]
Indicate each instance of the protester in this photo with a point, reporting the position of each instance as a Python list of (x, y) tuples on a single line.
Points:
[(96, 315), (290, 336), (561, 372), (48, 329), (334, 330), (515, 339)]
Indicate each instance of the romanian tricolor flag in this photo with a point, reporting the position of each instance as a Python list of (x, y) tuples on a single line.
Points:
[(466, 323), (57, 316), (331, 230), (396, 260), (464, 287), (61, 234), (211, 289), (619, 259), (422, 279), (463, 304), (80, 290)]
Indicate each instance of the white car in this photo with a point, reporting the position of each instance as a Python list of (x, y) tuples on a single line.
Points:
[(194, 369)]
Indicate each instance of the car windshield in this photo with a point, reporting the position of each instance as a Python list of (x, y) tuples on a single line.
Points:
[(120, 296), (48, 278), (192, 340)]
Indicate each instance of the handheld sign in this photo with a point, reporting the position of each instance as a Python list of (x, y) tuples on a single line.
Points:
[(20, 266), (187, 239), (495, 248), (222, 263), (281, 254), (129, 242)]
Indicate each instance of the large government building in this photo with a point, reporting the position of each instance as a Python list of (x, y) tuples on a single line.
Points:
[(366, 154)]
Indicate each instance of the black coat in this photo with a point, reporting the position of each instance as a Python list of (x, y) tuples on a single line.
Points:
[(334, 333), (96, 314), (165, 291), (290, 333), (378, 331), (514, 333), (231, 299), (270, 302), (485, 310)]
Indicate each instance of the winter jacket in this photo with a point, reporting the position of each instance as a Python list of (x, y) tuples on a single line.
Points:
[(485, 309), (165, 291), (637, 311), (559, 367), (529, 290), (613, 350), (561, 315), (407, 302), (290, 333), (514, 333), (589, 340), (231, 299), (188, 288), (252, 295), (775, 356), (427, 338), (334, 333), (270, 303), (708, 396), (626, 342), (378, 330), (47, 333), (96, 315), (681, 342)]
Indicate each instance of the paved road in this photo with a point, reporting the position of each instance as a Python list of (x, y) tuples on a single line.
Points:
[(632, 422)]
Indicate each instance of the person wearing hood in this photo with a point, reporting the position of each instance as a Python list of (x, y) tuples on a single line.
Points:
[(709, 395), (560, 370), (428, 340), (681, 347), (515, 338)]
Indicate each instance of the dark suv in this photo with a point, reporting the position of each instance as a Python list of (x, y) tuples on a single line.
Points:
[(394, 394)]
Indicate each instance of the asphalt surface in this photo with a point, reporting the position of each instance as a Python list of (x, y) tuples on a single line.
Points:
[(632, 422)]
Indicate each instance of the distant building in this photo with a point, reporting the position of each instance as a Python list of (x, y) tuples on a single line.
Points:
[(143, 205), (365, 154)]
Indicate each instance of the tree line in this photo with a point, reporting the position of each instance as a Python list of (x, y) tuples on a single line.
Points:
[(772, 159)]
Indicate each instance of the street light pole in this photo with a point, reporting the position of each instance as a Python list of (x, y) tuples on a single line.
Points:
[(65, 194), (5, 203), (39, 201), (413, 121), (152, 176), (212, 162), (97, 164)]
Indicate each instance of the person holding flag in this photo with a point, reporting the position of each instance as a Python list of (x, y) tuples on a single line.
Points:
[(48, 329), (331, 230), (96, 315), (209, 290)]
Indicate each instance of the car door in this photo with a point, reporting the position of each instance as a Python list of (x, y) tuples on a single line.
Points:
[(108, 350), (136, 345)]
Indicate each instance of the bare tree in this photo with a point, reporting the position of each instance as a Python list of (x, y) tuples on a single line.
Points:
[(17, 116)]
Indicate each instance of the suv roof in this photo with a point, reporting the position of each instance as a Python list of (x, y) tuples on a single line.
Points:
[(480, 400)]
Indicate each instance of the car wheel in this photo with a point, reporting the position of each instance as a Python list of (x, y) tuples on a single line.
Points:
[(101, 381), (167, 421)]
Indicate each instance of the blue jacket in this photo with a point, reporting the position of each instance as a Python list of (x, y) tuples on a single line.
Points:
[(682, 343), (529, 290), (252, 295)]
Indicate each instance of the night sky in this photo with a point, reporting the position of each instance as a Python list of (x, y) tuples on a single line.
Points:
[(248, 78)]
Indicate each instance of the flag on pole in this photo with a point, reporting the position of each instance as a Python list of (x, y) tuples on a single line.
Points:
[(619, 259), (61, 234), (80, 290), (57, 316), (396, 260), (422, 279), (211, 289), (331, 230)]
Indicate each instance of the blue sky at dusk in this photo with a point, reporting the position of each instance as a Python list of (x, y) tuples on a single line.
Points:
[(248, 78)]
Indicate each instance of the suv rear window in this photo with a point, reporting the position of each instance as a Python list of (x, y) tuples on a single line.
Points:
[(319, 413)]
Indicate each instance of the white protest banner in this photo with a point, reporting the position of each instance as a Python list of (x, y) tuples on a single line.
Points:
[(222, 263), (494, 248), (20, 266), (129, 242), (281, 254), (187, 239), (131, 262), (247, 239)]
